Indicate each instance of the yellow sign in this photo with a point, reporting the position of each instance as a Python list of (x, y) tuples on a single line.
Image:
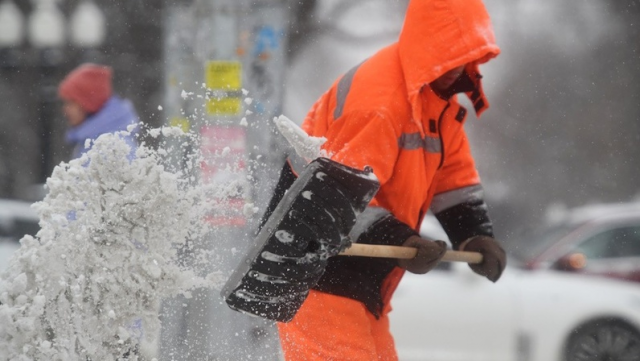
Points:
[(182, 123), (228, 106), (226, 75)]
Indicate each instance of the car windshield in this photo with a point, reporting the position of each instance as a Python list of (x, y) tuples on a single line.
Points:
[(536, 242)]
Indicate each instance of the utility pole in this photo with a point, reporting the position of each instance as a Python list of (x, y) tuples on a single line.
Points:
[(234, 52)]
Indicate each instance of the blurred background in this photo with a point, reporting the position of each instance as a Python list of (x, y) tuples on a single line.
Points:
[(563, 129)]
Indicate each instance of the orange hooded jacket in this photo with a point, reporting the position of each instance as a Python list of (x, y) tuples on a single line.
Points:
[(384, 114)]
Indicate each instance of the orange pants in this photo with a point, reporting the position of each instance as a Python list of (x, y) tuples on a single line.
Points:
[(329, 327)]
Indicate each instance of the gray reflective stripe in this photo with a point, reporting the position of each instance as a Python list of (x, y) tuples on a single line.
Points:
[(413, 141), (344, 85), (367, 218), (432, 145), (446, 200)]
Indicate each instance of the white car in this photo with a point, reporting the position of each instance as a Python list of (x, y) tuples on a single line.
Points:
[(452, 314)]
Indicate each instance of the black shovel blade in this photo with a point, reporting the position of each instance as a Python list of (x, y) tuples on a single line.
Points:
[(310, 224)]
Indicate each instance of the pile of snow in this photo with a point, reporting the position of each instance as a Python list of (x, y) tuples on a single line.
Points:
[(88, 286)]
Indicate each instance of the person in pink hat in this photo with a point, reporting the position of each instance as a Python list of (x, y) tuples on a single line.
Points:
[(92, 109)]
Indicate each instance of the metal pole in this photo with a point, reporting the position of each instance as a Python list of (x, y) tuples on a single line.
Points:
[(237, 50)]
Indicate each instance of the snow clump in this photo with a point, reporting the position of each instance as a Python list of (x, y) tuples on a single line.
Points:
[(88, 286)]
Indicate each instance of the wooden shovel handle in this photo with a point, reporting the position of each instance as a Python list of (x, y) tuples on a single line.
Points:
[(370, 250)]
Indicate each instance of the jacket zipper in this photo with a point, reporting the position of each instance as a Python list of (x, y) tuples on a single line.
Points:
[(440, 134)]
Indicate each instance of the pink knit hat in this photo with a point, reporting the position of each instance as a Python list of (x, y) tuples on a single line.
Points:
[(89, 85)]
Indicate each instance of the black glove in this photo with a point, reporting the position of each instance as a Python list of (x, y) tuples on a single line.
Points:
[(428, 255), (494, 257)]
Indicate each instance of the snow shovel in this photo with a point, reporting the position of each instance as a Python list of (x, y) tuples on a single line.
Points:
[(274, 278)]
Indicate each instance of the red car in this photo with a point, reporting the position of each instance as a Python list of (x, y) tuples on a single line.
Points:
[(601, 240)]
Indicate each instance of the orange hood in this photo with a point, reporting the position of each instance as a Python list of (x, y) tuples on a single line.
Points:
[(439, 35)]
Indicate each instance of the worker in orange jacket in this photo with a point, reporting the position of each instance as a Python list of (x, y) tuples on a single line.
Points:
[(398, 113)]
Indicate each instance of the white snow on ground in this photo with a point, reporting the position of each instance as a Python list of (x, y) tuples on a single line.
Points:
[(88, 286)]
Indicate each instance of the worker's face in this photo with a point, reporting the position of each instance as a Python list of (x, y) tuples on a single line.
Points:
[(447, 79), (73, 112)]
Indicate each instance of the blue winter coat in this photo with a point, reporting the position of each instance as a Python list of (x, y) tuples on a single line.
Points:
[(115, 115)]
